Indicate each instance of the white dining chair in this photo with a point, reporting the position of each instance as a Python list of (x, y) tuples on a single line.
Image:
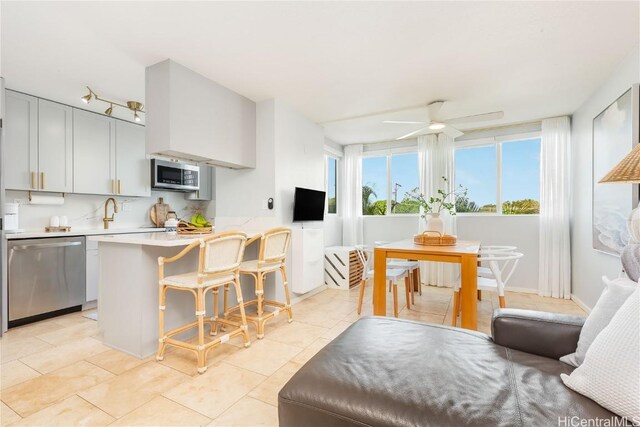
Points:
[(393, 275), (404, 264), (502, 266), (489, 249)]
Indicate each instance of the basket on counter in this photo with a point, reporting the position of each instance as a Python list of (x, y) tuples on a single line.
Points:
[(434, 238), (185, 228)]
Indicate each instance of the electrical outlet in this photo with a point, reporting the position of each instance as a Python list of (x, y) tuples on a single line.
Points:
[(20, 201), (126, 207)]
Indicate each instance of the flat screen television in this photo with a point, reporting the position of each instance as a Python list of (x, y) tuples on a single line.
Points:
[(308, 205)]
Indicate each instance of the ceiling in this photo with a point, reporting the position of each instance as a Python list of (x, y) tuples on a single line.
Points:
[(329, 60)]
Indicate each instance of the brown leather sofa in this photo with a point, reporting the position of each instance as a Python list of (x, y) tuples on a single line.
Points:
[(391, 372)]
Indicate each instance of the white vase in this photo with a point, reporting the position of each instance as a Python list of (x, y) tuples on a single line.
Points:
[(434, 223)]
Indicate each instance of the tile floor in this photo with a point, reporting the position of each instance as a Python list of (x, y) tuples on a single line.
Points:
[(57, 372)]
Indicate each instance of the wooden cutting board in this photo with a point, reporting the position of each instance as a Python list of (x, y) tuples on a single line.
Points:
[(159, 212)]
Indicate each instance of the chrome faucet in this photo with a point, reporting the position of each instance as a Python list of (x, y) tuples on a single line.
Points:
[(106, 219)]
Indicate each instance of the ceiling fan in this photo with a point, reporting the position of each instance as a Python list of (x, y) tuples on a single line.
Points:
[(434, 124)]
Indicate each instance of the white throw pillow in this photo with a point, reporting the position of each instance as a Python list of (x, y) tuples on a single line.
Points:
[(610, 373), (614, 295)]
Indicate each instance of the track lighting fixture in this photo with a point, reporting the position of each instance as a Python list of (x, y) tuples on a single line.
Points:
[(134, 106)]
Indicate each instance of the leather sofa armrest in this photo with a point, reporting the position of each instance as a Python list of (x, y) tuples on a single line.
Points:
[(537, 332)]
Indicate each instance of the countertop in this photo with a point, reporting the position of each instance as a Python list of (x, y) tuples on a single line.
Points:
[(149, 239), (81, 232)]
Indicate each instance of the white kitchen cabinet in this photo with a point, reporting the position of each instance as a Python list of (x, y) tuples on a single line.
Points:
[(92, 271), (207, 185), (39, 144), (55, 146), (21, 146), (109, 156), (133, 173), (307, 259), (93, 153)]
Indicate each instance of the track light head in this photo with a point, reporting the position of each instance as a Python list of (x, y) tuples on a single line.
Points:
[(136, 117), (87, 98), (109, 110)]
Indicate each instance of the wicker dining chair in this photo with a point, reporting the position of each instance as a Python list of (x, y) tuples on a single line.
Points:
[(219, 261)]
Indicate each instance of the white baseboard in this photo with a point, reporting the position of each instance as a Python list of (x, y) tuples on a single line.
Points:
[(309, 294), (580, 303)]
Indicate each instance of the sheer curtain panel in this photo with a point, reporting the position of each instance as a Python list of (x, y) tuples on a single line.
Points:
[(554, 277), (351, 200)]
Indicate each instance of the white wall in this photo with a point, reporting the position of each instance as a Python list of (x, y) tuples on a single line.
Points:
[(521, 231), (589, 265), (86, 211)]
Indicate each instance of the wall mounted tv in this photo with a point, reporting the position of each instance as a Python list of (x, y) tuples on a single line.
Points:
[(308, 205)]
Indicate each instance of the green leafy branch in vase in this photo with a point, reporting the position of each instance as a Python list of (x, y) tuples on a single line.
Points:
[(443, 200)]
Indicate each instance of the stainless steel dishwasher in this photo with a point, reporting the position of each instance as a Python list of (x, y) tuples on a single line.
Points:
[(46, 277)]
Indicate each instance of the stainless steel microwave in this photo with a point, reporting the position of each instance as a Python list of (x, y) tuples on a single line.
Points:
[(174, 176)]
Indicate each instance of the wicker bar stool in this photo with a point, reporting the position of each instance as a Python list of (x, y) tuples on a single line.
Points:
[(218, 265), (271, 258)]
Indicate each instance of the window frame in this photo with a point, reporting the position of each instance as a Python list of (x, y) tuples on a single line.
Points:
[(497, 142), (327, 158), (389, 182)]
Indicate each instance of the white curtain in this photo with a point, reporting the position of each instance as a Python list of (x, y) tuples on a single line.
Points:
[(555, 202), (351, 200), (435, 160)]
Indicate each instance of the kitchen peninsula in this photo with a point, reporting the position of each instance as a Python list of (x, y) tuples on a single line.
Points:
[(128, 290)]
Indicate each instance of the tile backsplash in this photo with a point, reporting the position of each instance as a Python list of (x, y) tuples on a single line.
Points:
[(86, 211)]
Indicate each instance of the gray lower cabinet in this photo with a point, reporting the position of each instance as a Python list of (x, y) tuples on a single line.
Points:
[(207, 185), (39, 144)]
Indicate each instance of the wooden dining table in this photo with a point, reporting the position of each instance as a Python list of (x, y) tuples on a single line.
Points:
[(464, 253)]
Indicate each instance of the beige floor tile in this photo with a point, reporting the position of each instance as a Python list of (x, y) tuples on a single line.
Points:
[(186, 361), (216, 390), (133, 388), (70, 333), (64, 355), (268, 390), (297, 334), (72, 411), (31, 330), (15, 372), (306, 354), (426, 305), (316, 317), (421, 317), (248, 412), (264, 356), (339, 328), (115, 361), (162, 412), (36, 394), (7, 415), (74, 319), (13, 349)]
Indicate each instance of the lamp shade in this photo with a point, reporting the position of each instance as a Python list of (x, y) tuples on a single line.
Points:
[(628, 170)]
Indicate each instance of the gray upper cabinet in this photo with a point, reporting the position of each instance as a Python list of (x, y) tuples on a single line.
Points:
[(132, 167), (207, 185), (93, 153), (39, 144), (21, 147), (55, 146)]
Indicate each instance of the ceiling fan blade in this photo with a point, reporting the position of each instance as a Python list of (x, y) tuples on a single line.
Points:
[(404, 122), (452, 132), (412, 133), (496, 115)]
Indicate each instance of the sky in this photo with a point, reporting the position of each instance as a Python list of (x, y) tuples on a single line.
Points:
[(475, 169)]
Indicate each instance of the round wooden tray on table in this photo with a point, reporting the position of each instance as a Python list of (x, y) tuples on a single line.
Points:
[(434, 238), (186, 228)]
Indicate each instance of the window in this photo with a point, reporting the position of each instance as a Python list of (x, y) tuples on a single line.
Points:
[(503, 177), (332, 185), (374, 185), (404, 181), (387, 182)]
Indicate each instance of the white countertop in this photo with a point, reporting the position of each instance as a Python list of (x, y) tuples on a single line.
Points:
[(80, 232), (148, 239)]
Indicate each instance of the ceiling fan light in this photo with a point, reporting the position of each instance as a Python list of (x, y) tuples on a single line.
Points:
[(437, 126)]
